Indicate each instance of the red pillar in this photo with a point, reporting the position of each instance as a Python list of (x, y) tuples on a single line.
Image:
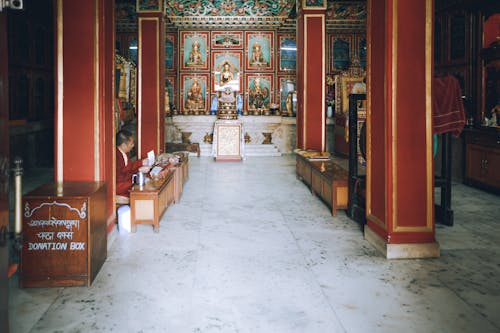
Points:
[(84, 64), (151, 67), (400, 188), (311, 41)]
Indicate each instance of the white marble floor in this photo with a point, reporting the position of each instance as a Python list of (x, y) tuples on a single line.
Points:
[(248, 249)]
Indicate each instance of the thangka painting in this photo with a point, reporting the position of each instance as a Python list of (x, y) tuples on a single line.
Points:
[(227, 40), (194, 50), (259, 91), (170, 42), (149, 5), (194, 94), (287, 53), (226, 67), (314, 4), (288, 95), (259, 54)]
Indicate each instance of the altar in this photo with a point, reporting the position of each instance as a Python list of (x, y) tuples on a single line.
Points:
[(262, 135)]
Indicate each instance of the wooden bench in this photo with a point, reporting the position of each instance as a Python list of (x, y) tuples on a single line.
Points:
[(326, 179), (171, 147)]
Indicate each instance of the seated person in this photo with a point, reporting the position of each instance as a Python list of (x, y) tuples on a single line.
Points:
[(125, 168)]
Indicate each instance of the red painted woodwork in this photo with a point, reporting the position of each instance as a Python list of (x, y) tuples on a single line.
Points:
[(376, 123), (78, 90), (399, 185), (88, 89), (300, 83), (150, 117), (411, 184), (314, 92), (108, 120), (311, 32)]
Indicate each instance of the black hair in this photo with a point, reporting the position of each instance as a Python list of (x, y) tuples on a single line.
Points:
[(122, 136)]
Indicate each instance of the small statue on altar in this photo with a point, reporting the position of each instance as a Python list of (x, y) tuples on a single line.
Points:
[(195, 57), (227, 96), (214, 106), (239, 104)]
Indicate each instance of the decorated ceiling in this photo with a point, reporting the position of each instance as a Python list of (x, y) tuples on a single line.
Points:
[(199, 8), (341, 14)]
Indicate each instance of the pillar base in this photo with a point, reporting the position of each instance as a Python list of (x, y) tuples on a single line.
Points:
[(402, 251)]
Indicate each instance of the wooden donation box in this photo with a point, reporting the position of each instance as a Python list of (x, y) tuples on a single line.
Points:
[(64, 234), (227, 140)]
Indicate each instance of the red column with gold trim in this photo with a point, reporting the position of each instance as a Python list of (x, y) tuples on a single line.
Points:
[(151, 65), (311, 53), (400, 188), (84, 65)]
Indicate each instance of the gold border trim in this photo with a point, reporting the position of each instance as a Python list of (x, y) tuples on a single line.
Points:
[(96, 93), (394, 52), (60, 89), (158, 92)]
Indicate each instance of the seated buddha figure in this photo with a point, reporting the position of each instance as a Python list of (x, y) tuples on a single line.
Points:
[(226, 74), (195, 56)]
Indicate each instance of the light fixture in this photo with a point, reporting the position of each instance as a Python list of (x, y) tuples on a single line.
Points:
[(12, 4)]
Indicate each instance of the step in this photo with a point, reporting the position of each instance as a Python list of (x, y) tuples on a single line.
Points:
[(250, 150)]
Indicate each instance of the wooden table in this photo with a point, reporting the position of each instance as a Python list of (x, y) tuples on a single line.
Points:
[(64, 234), (149, 202)]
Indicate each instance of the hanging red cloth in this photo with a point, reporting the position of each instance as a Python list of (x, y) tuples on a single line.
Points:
[(447, 108)]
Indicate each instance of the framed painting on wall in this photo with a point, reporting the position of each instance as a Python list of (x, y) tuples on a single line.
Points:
[(226, 67), (170, 51), (314, 4), (152, 6), (170, 94), (194, 50), (259, 91), (259, 53), (227, 40), (288, 95), (340, 52), (287, 56), (194, 94)]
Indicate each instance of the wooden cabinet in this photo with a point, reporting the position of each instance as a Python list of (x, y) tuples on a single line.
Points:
[(482, 159), (64, 234)]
